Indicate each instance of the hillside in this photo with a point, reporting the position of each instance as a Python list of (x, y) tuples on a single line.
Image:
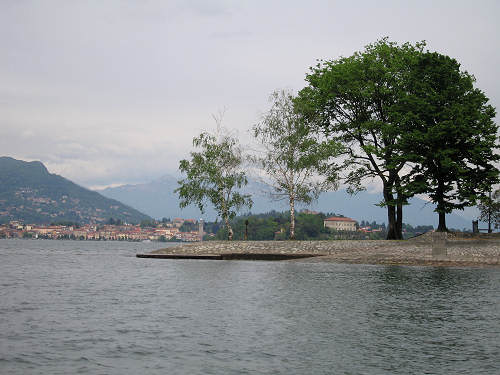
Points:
[(28, 192), (158, 200)]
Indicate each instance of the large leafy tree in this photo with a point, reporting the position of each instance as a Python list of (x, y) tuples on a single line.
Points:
[(353, 100), (213, 175), (291, 155), (450, 136)]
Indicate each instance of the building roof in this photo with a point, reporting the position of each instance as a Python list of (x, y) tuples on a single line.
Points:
[(338, 218)]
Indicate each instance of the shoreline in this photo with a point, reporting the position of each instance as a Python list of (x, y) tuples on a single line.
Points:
[(431, 249)]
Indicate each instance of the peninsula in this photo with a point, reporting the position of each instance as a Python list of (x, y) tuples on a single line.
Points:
[(430, 249)]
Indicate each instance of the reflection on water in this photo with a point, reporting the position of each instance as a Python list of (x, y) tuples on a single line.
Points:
[(91, 308)]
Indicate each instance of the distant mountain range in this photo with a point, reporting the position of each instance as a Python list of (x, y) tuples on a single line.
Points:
[(28, 192), (158, 200)]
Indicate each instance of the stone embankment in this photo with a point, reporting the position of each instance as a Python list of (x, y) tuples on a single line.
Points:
[(445, 249)]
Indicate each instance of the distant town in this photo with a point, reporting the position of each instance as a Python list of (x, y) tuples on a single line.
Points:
[(174, 230), (271, 226)]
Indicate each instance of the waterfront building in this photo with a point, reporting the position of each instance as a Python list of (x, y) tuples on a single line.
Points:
[(340, 223)]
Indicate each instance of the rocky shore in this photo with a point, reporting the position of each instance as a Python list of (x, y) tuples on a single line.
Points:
[(431, 249)]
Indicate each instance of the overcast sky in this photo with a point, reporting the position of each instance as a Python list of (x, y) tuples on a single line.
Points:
[(112, 92)]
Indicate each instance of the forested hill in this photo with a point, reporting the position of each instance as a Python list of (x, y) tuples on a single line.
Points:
[(28, 192)]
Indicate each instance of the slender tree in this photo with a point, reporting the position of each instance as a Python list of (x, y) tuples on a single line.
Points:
[(450, 137), (292, 156), (489, 209), (214, 174), (353, 101)]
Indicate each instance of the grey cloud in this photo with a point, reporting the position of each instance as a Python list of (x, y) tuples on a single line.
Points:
[(114, 91), (232, 34)]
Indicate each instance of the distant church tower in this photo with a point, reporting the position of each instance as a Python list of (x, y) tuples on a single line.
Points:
[(200, 229)]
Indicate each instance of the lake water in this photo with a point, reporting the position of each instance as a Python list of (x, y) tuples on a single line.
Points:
[(70, 307)]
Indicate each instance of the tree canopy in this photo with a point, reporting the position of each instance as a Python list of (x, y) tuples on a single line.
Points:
[(408, 118), (449, 135), (213, 175), (354, 100), (489, 209), (292, 155), (411, 119)]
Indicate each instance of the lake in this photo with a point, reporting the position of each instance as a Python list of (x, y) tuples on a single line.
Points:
[(82, 307)]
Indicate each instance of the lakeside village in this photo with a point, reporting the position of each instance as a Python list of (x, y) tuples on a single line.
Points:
[(169, 231), (176, 230)]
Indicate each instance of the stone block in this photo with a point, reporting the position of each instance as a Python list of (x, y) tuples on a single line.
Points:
[(439, 244)]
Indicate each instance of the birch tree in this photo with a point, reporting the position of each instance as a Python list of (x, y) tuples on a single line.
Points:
[(291, 156), (214, 174)]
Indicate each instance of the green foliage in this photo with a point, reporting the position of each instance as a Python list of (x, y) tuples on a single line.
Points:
[(311, 227), (212, 227), (489, 208), (147, 224), (292, 155), (213, 175), (276, 226), (259, 228), (112, 221), (354, 101), (450, 137), (373, 225), (411, 119), (188, 227), (419, 229)]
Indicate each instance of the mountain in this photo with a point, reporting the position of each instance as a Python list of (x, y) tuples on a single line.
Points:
[(158, 200), (28, 192)]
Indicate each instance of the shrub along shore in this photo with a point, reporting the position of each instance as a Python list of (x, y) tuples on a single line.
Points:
[(431, 249)]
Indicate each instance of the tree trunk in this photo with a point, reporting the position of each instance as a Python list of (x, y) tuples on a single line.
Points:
[(399, 208), (292, 218), (229, 229), (442, 223), (490, 203), (399, 220), (391, 228), (440, 207), (391, 214)]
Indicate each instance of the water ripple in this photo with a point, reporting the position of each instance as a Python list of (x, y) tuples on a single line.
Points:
[(93, 308)]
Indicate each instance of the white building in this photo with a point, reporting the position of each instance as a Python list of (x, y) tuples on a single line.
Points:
[(340, 223)]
